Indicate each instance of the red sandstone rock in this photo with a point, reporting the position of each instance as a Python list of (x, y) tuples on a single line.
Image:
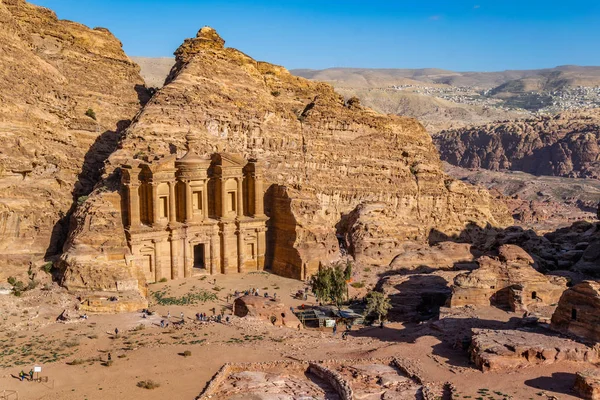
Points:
[(578, 311), (266, 309), (587, 384)]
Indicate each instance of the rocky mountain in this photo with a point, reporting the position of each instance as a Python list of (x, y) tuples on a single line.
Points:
[(66, 92), (325, 158), (566, 145)]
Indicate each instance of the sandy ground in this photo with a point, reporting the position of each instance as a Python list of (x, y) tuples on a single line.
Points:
[(30, 336)]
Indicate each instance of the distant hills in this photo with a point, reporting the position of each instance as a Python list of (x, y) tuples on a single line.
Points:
[(517, 80)]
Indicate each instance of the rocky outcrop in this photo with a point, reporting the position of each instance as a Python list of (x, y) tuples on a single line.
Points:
[(265, 309), (587, 384), (578, 311), (509, 350), (52, 149), (323, 159), (565, 145), (416, 297), (508, 280)]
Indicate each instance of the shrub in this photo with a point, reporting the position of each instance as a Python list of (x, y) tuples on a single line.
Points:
[(32, 284), (357, 285), (90, 113), (149, 384), (47, 267), (275, 93), (163, 280), (140, 327), (12, 280), (187, 353), (108, 363), (81, 200)]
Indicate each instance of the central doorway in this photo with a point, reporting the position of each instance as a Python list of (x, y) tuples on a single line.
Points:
[(199, 256)]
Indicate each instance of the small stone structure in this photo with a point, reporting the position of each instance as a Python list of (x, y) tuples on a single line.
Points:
[(508, 280), (195, 214), (578, 311), (587, 384), (265, 309)]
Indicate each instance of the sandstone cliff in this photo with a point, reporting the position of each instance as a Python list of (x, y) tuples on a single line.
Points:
[(51, 152), (324, 158), (564, 145)]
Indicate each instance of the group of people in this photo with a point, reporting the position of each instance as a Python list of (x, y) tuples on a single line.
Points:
[(23, 375), (250, 292)]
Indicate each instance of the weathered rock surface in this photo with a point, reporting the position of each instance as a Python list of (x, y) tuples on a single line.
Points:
[(578, 311), (444, 255), (565, 145), (587, 384), (542, 203), (324, 158), (266, 309), (417, 297), (508, 350), (508, 280), (51, 153)]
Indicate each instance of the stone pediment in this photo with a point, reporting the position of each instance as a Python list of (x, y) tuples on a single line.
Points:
[(162, 164), (229, 160)]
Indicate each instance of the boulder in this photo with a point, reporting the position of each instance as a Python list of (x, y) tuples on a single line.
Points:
[(587, 384), (509, 350), (265, 309)]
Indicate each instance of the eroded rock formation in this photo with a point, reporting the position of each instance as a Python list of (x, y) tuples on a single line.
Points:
[(578, 311), (323, 159), (587, 384), (564, 145), (51, 152), (266, 309), (493, 350), (507, 281)]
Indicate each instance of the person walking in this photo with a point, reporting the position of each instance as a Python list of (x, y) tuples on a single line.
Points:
[(168, 314), (182, 316), (31, 374), (109, 357), (22, 375), (334, 329), (116, 332)]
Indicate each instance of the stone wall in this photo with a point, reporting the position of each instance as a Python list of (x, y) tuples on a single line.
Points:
[(342, 387)]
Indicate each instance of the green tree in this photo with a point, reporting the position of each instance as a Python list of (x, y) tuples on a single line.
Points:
[(329, 284), (379, 304)]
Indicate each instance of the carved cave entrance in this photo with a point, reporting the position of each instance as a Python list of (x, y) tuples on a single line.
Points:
[(199, 257)]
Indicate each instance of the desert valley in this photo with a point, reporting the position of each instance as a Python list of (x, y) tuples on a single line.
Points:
[(211, 226)]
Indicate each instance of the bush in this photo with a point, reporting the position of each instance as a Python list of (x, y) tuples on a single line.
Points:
[(149, 384), (108, 363), (32, 284), (12, 280), (47, 267), (163, 280), (357, 285), (90, 113), (187, 353), (275, 93), (81, 200)]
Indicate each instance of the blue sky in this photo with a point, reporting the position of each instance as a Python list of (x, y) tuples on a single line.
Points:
[(478, 35)]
